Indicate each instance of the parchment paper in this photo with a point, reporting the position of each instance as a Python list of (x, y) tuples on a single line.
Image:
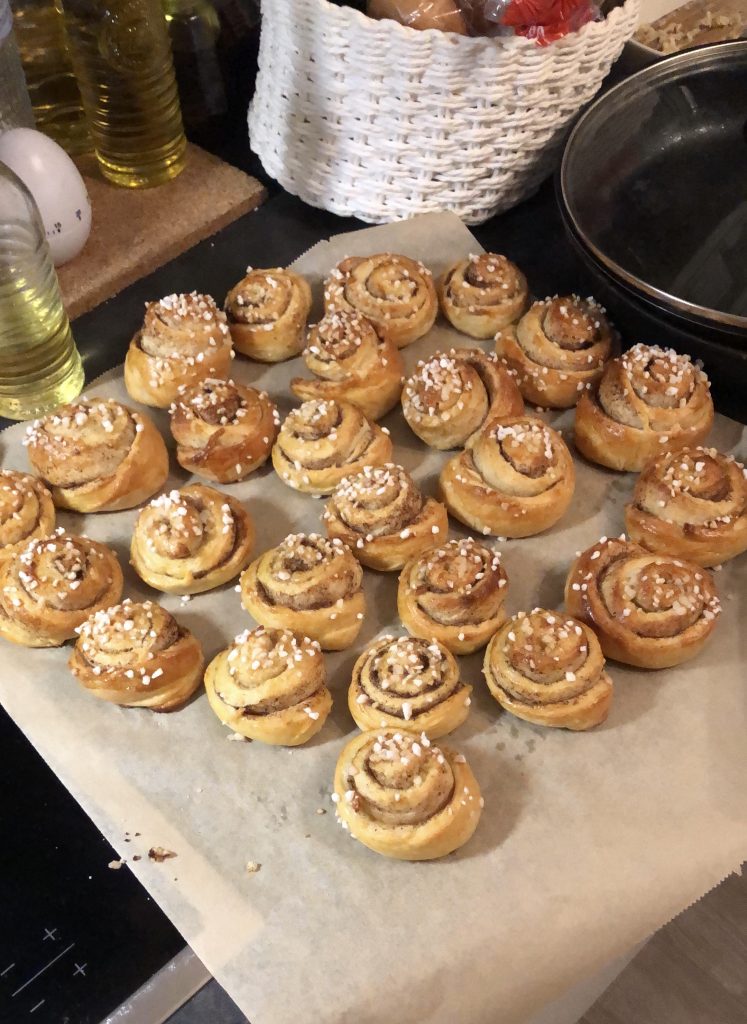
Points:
[(587, 844)]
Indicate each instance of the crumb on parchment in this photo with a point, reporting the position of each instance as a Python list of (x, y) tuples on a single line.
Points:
[(252, 867), (115, 865), (159, 854)]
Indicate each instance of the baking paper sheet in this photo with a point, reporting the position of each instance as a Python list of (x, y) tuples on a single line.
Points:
[(587, 844)]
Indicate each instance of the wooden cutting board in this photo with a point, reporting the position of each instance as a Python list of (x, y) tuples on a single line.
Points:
[(136, 230)]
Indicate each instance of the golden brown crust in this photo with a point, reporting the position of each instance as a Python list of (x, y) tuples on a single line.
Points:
[(383, 518), (267, 313), (515, 479), (648, 610), (408, 683), (50, 585), (452, 395), (137, 655), (483, 294), (310, 585), (323, 441), (454, 593), (403, 797), (191, 540), (223, 430), (184, 339), (26, 509), (690, 504), (549, 670), (98, 455), (649, 400), (270, 685), (354, 360), (558, 349), (394, 291)]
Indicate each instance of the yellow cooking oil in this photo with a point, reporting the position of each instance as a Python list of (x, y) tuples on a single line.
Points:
[(40, 367), (122, 60), (55, 97)]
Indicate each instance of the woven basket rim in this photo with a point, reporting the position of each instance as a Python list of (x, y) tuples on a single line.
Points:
[(441, 38)]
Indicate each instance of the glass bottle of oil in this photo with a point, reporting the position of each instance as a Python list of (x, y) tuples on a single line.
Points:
[(55, 97), (40, 367), (15, 107), (122, 60)]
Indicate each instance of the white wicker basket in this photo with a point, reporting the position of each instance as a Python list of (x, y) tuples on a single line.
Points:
[(380, 121)]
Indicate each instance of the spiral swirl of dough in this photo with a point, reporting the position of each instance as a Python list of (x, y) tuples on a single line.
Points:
[(352, 359), (270, 685), (403, 797), (383, 517), (137, 655), (267, 313), (691, 503), (653, 611), (394, 291), (549, 670), (26, 509), (482, 294)]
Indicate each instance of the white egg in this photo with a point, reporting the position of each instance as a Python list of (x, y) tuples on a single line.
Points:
[(55, 183)]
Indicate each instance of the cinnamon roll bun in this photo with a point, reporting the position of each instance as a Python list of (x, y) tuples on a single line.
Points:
[(137, 655), (323, 441), (310, 585), (482, 294), (452, 395), (353, 359), (558, 349), (192, 540), (98, 455), (184, 339), (270, 685), (403, 797), (383, 518), (515, 479), (691, 504), (223, 430), (549, 670), (454, 593), (26, 509), (50, 585), (648, 610), (650, 400), (267, 313), (394, 291), (408, 683)]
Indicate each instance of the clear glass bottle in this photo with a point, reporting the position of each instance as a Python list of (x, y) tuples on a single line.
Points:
[(15, 106), (55, 97), (122, 60), (40, 367), (194, 29)]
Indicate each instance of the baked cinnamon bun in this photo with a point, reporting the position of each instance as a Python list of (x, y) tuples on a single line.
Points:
[(482, 294), (267, 313)]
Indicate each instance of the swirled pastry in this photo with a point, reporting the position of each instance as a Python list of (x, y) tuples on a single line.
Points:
[(267, 313), (558, 349), (184, 339), (50, 585), (482, 294), (403, 797), (192, 540), (408, 683), (394, 291), (98, 455), (383, 518), (270, 685), (310, 585), (352, 359), (454, 593), (323, 441), (137, 655), (453, 394), (650, 400), (223, 430), (26, 509), (515, 479), (653, 611), (549, 670), (692, 504)]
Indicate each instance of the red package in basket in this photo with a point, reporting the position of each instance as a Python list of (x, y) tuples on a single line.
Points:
[(547, 20)]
